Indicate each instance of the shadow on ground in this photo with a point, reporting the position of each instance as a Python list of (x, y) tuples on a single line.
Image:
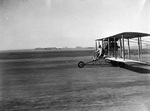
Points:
[(137, 69)]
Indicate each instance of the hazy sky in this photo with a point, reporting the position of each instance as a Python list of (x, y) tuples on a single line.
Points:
[(28, 24)]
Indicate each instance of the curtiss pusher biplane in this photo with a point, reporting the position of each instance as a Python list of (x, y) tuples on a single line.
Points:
[(117, 49)]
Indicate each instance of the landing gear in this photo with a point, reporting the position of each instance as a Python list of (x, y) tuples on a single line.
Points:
[(81, 64)]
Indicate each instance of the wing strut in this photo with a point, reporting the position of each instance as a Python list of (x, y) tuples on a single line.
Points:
[(139, 49), (115, 48), (123, 47), (128, 49), (96, 44), (108, 47), (120, 47), (102, 42)]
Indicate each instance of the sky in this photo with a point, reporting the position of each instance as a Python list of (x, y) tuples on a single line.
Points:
[(28, 24)]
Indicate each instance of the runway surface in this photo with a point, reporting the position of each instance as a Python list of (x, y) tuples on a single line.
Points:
[(52, 81)]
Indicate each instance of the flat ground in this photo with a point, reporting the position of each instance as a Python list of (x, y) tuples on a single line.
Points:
[(37, 83)]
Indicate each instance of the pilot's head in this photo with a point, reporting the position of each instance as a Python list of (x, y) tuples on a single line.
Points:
[(99, 46)]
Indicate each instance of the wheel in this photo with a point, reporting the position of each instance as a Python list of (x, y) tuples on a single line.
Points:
[(81, 64), (121, 64)]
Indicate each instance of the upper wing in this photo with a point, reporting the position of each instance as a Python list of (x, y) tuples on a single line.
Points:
[(126, 35)]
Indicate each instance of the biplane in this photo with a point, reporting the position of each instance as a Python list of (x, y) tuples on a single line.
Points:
[(118, 49)]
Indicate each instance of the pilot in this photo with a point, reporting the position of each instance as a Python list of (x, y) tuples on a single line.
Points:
[(99, 52)]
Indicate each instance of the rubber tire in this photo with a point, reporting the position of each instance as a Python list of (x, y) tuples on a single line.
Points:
[(81, 64)]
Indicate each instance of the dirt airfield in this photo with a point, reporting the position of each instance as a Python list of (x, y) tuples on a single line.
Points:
[(57, 84)]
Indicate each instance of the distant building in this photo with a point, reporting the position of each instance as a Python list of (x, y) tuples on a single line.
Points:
[(51, 48), (38, 48), (90, 47), (48, 48), (78, 47)]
